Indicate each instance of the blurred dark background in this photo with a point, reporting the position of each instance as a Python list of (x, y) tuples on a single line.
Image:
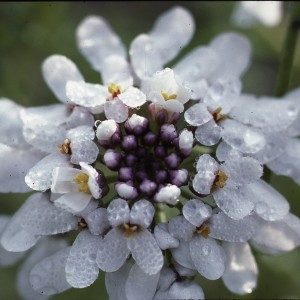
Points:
[(30, 32)]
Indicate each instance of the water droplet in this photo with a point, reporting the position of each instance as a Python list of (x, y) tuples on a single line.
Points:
[(138, 107), (97, 123)]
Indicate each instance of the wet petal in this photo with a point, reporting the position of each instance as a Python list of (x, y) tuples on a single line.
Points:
[(197, 114), (118, 212), (209, 133), (116, 110), (142, 213), (133, 97), (185, 290), (182, 255), (97, 221), (181, 228), (164, 238), (196, 212)]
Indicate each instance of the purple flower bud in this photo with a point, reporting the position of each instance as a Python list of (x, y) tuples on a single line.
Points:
[(136, 124), (179, 177), (160, 151), (150, 138), (125, 174), (148, 187), (161, 176), (112, 159), (173, 160), (161, 117), (130, 159), (141, 175), (168, 133), (141, 152), (129, 142)]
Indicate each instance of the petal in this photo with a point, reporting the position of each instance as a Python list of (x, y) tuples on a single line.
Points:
[(209, 133), (115, 282), (84, 151), (181, 228), (234, 51), (197, 114), (39, 177), (235, 202), (81, 267), (196, 212), (133, 97), (139, 284), (208, 257), (80, 116), (113, 251), (116, 110), (269, 204), (118, 212), (91, 96), (15, 164), (172, 31), (97, 221), (44, 218), (241, 271), (242, 170), (186, 290), (242, 137), (96, 40), (226, 229), (167, 277), (142, 213), (144, 56), (57, 70), (48, 276), (225, 152), (145, 251), (207, 162), (164, 238), (182, 255)]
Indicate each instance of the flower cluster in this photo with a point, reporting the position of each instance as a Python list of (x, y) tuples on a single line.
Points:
[(111, 159)]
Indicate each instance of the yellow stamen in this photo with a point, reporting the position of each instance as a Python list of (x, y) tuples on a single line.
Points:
[(217, 114), (168, 97), (65, 148), (114, 89), (82, 180), (203, 230), (220, 180), (130, 230)]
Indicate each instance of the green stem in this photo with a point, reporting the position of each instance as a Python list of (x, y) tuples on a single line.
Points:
[(160, 216), (288, 50)]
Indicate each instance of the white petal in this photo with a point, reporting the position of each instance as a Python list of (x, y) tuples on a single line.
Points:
[(225, 152), (172, 31), (164, 238), (48, 276), (15, 164), (115, 282), (80, 116), (197, 114), (196, 212), (62, 180), (269, 204), (133, 97), (145, 56), (182, 255), (81, 267), (113, 251), (242, 137), (96, 40), (209, 133), (97, 221), (142, 213), (118, 212), (207, 162), (74, 202), (84, 151), (116, 110), (167, 277), (242, 171), (235, 202), (234, 50), (183, 271), (145, 251), (91, 96), (186, 290), (116, 70), (241, 271), (208, 257), (140, 285), (57, 70), (181, 228), (226, 229), (39, 177)]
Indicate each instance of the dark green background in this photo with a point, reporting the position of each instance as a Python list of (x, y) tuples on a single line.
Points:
[(30, 32)]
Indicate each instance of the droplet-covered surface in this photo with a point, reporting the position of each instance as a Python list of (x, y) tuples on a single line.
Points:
[(145, 251), (97, 221), (186, 290), (164, 238), (118, 212), (142, 213), (48, 276), (181, 228), (81, 267), (182, 255), (196, 212), (197, 115)]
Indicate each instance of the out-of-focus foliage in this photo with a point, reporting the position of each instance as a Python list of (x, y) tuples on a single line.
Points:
[(30, 32)]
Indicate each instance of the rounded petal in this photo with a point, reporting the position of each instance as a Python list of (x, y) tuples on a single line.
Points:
[(208, 257), (48, 276), (112, 252), (142, 213), (116, 110), (133, 97), (197, 115), (81, 267), (146, 253), (182, 255), (57, 70), (97, 221), (241, 271), (118, 212), (164, 238), (181, 228), (209, 133), (196, 212), (185, 290)]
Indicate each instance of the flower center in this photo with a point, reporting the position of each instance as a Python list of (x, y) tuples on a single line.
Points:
[(114, 89), (203, 230), (130, 230), (220, 180), (65, 148), (82, 180), (217, 115), (167, 96)]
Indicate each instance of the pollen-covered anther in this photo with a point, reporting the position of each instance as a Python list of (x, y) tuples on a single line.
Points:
[(82, 180), (82, 223), (114, 89), (203, 230), (130, 230), (167, 96), (217, 115), (219, 181), (65, 147)]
